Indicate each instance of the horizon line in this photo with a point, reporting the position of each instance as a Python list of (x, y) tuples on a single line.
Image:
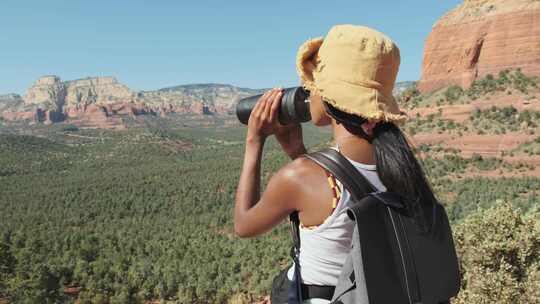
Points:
[(151, 90)]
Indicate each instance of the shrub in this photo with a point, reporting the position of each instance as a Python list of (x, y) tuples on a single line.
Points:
[(476, 157), (453, 93), (410, 93), (506, 80), (70, 128), (503, 77), (424, 148), (522, 82), (499, 254)]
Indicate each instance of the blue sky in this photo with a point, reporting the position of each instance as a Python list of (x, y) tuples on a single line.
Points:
[(153, 44)]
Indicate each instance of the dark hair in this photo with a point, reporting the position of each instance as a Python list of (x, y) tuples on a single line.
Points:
[(397, 166)]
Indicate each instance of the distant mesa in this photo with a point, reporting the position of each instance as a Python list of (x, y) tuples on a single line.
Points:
[(402, 86), (99, 102), (481, 37)]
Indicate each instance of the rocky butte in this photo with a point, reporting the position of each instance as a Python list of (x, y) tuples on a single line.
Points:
[(481, 37), (99, 102)]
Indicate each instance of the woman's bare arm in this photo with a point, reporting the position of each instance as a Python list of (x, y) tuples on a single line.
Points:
[(254, 215)]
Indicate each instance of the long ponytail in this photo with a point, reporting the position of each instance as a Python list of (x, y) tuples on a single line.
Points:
[(400, 172), (397, 166)]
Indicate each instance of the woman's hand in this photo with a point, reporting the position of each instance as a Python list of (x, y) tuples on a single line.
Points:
[(263, 119), (263, 122)]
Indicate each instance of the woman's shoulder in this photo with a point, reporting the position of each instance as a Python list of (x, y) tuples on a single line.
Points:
[(300, 168), (301, 176), (306, 185)]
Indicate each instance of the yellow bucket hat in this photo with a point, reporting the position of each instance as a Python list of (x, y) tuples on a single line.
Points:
[(354, 69)]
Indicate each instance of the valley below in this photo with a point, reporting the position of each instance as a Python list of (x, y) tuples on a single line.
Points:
[(143, 214)]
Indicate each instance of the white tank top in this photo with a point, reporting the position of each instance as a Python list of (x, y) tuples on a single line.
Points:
[(323, 249)]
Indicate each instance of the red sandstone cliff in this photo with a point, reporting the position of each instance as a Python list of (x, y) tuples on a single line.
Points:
[(94, 116), (98, 102), (482, 37)]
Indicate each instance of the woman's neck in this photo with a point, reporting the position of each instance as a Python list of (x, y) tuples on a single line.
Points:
[(352, 146)]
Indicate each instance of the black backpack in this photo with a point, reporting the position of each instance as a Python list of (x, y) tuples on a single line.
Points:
[(391, 260)]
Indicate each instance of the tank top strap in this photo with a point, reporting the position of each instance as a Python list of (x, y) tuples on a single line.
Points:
[(336, 147), (336, 193), (336, 196)]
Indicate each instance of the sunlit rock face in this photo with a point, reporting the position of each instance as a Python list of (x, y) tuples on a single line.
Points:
[(481, 37), (101, 101), (48, 91), (98, 90)]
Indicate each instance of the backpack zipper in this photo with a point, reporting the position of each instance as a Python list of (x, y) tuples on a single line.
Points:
[(401, 254)]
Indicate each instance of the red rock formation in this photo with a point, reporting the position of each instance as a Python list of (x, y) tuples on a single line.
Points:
[(16, 116), (69, 100), (482, 37), (104, 116), (72, 112), (197, 107), (93, 116), (49, 117), (222, 109), (101, 101), (122, 108), (107, 116)]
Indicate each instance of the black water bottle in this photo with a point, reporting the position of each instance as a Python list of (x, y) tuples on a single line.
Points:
[(294, 106)]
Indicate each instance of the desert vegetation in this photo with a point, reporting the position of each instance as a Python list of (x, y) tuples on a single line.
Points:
[(497, 120), (509, 82), (530, 148), (145, 215), (498, 250), (434, 123)]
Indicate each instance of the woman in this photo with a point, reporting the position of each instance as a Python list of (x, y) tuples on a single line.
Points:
[(350, 74)]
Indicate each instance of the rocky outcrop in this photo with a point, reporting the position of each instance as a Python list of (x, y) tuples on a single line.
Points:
[(198, 98), (48, 91), (100, 101), (98, 90), (401, 87), (482, 37), (34, 116), (51, 93), (31, 116), (93, 116), (10, 102)]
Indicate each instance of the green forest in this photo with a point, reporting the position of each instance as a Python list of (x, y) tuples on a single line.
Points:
[(145, 215)]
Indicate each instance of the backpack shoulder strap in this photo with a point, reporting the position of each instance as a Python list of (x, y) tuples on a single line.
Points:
[(345, 172), (295, 292)]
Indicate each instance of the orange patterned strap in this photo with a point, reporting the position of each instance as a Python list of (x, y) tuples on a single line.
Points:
[(335, 189), (335, 193)]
